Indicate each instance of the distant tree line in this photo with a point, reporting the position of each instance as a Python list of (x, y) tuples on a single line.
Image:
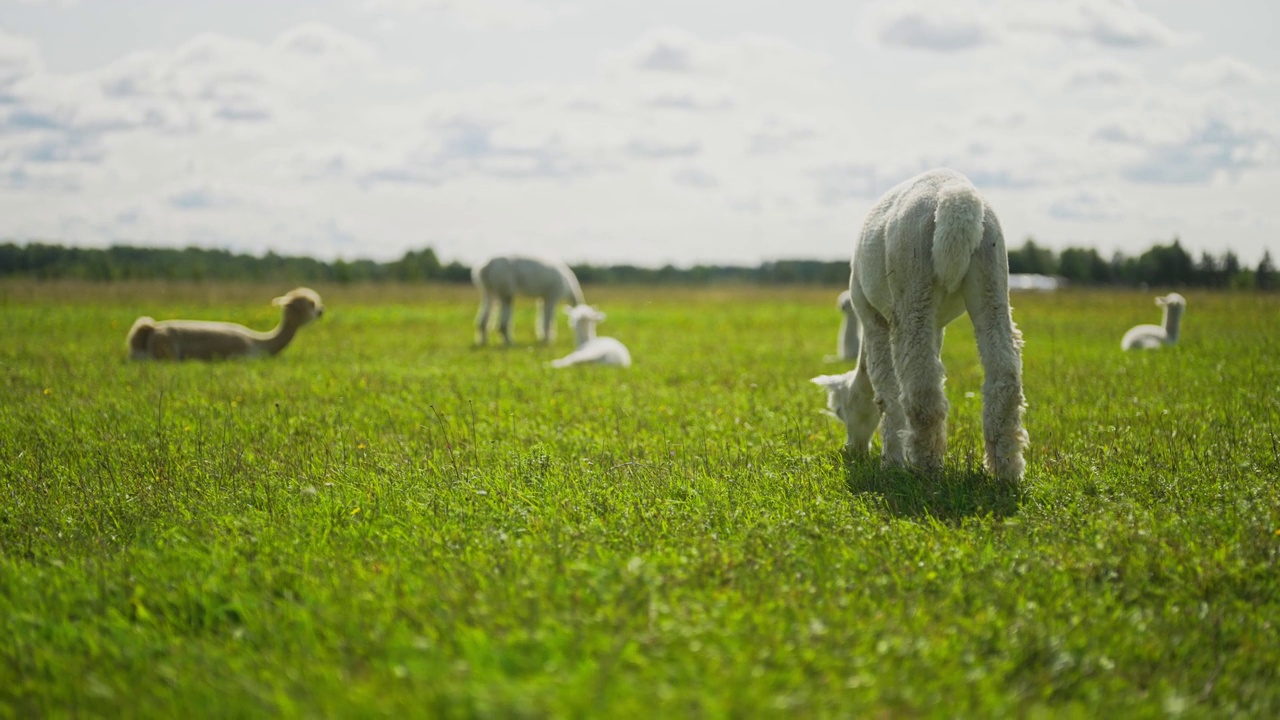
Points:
[(1162, 265)]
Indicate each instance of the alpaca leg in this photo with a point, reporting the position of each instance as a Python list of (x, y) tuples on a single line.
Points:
[(504, 319), (547, 320), (917, 358), (482, 319), (999, 346), (876, 366)]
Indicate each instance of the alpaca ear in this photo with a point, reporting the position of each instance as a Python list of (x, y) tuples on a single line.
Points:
[(1161, 301), (845, 302), (827, 382), (282, 300)]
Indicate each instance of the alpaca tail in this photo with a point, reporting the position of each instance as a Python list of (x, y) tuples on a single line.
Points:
[(957, 232), (139, 337)]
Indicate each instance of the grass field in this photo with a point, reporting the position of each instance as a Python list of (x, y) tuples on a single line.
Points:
[(383, 521)]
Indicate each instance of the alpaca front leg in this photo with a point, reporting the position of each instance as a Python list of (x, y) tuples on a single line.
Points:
[(504, 320), (877, 359), (482, 320)]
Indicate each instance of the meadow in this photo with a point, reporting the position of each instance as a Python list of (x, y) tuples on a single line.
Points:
[(384, 521)]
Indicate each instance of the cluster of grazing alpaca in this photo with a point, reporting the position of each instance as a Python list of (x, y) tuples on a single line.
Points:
[(930, 250), (590, 348), (503, 277), (204, 340), (1154, 336)]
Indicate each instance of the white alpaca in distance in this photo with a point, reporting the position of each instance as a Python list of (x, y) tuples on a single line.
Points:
[(930, 250), (1145, 337), (847, 348), (504, 277), (592, 349)]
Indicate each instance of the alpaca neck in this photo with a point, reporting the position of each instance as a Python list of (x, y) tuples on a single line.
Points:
[(1172, 322), (584, 332), (276, 340)]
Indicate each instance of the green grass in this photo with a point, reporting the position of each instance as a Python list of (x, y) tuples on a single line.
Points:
[(383, 521)]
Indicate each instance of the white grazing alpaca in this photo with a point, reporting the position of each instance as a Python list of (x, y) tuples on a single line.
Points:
[(504, 277), (1154, 336), (204, 340), (930, 249), (848, 347), (592, 349)]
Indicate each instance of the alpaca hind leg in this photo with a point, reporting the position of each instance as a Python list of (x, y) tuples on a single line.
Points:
[(999, 346), (916, 357), (547, 320)]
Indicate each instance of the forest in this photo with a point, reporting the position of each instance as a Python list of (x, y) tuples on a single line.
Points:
[(1162, 265)]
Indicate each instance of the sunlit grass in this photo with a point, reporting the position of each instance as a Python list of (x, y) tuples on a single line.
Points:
[(383, 520)]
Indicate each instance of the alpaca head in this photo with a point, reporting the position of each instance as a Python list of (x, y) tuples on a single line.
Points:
[(845, 303), (842, 405), (301, 305), (1174, 305), (583, 320)]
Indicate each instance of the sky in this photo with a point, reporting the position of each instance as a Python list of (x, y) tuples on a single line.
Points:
[(632, 131)]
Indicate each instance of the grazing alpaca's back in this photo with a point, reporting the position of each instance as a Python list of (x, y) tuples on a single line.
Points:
[(1147, 337), (206, 340), (930, 250)]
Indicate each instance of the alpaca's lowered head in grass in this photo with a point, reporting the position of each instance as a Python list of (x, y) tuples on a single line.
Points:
[(843, 404), (204, 340), (1166, 333)]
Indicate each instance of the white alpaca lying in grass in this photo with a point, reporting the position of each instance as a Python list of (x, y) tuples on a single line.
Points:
[(204, 340), (502, 278), (592, 349), (930, 249), (1154, 336)]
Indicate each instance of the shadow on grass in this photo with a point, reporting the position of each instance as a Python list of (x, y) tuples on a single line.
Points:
[(949, 496)]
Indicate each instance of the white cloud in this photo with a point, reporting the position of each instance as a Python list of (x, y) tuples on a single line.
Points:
[(474, 13), (19, 59), (938, 26), (1087, 205), (1222, 71), (1110, 23), (960, 25), (1212, 150), (1100, 73)]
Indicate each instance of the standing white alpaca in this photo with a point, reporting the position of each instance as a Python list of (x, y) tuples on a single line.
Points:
[(204, 340), (502, 278), (592, 349), (930, 249), (1154, 336), (848, 339)]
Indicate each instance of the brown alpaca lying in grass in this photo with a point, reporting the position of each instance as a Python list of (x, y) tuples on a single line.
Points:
[(204, 340)]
